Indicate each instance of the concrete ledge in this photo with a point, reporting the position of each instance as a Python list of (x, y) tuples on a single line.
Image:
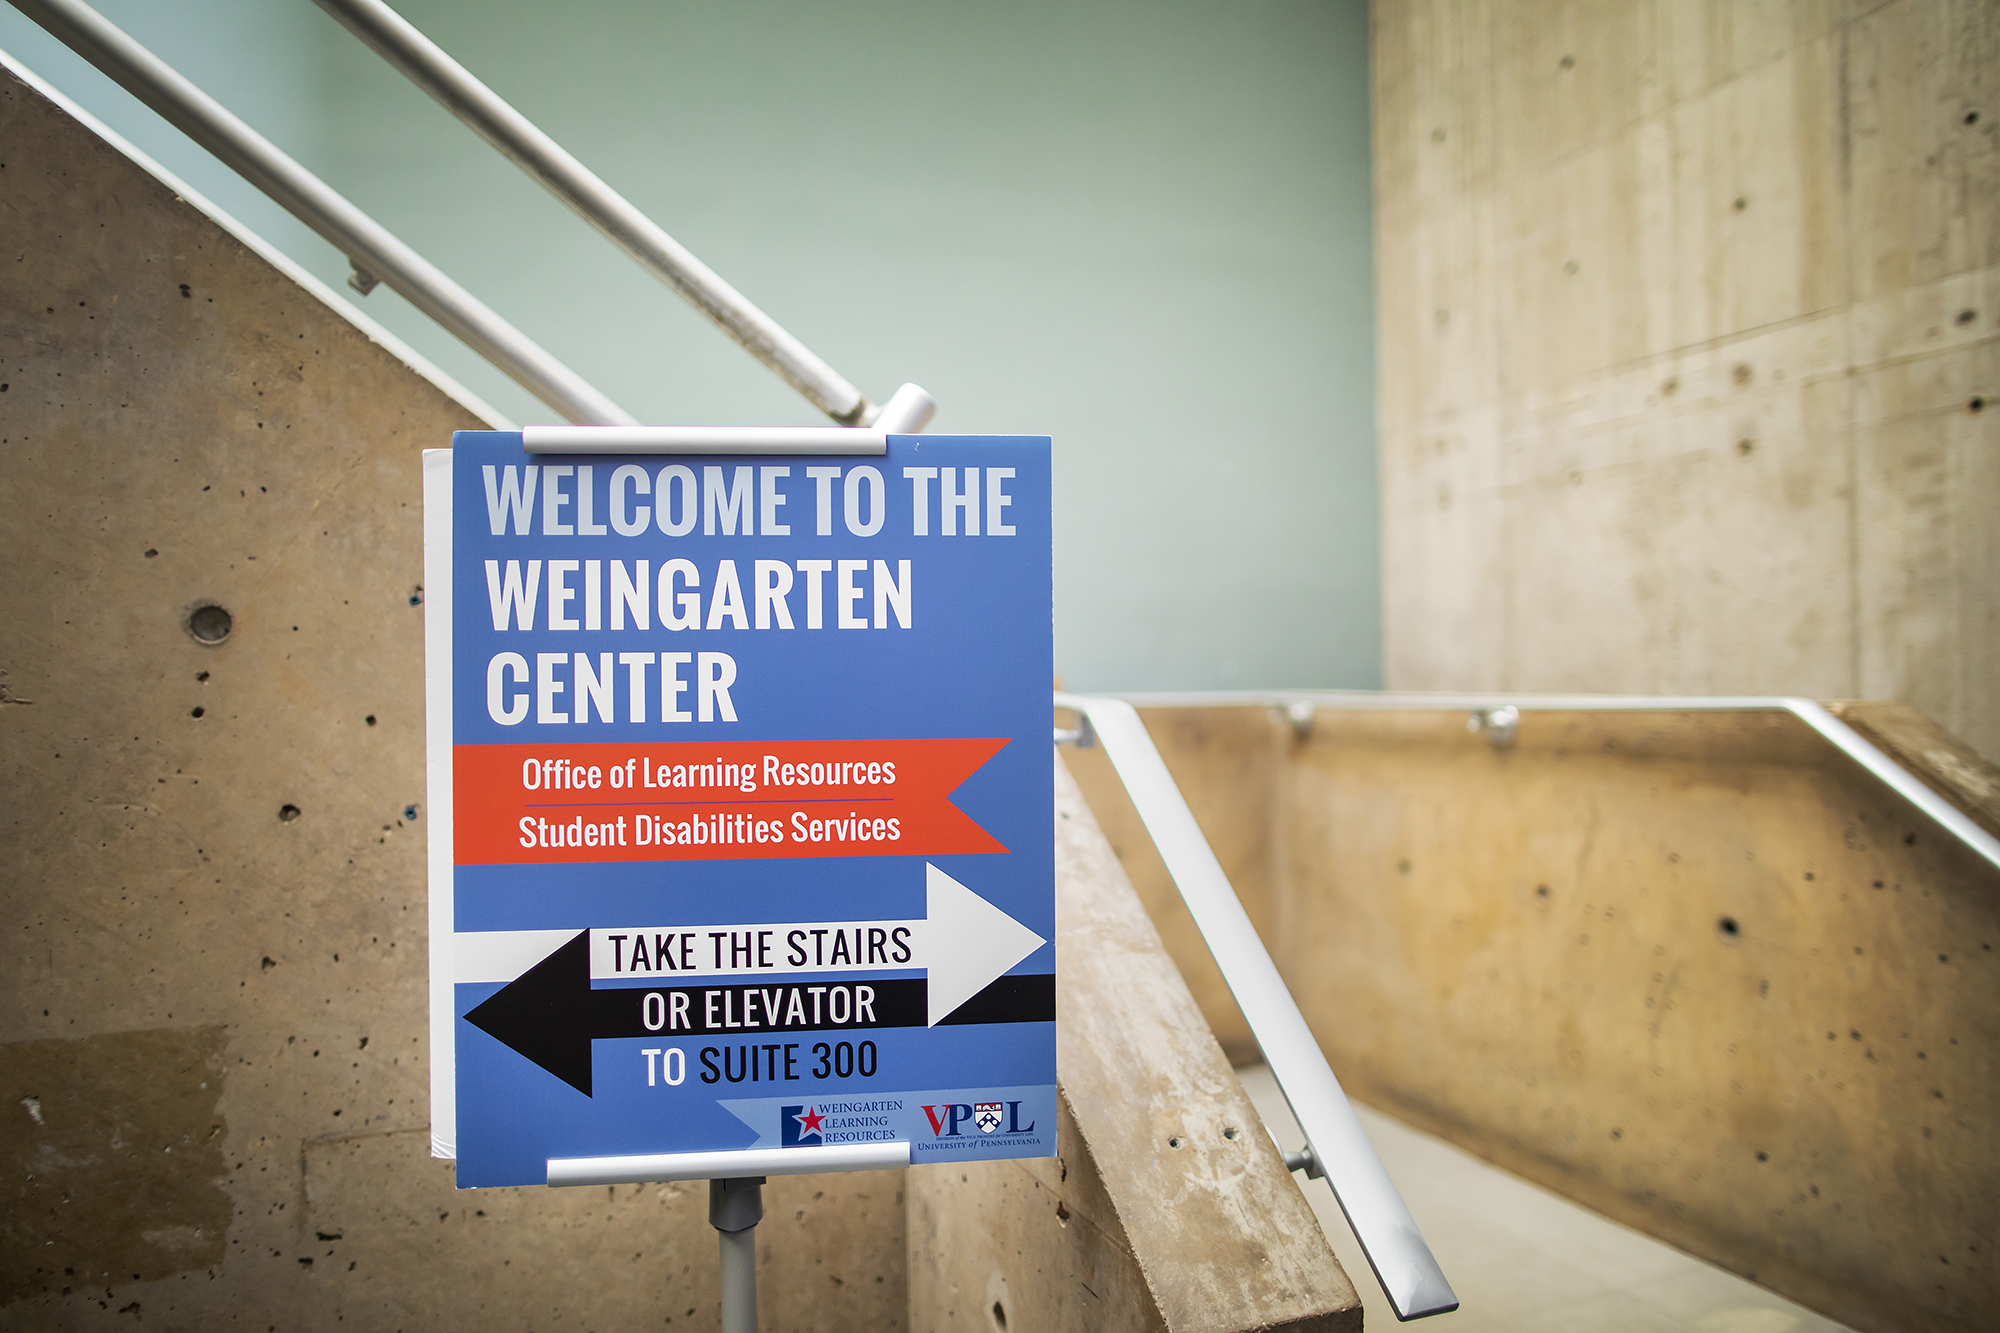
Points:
[(1697, 971), (1169, 1208)]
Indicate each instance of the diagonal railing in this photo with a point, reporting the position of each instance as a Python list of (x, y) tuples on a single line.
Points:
[(1337, 1147), (428, 66), (372, 248), (376, 254), (1500, 714)]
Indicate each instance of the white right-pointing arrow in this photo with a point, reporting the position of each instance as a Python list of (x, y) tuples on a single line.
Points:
[(963, 943), (968, 943)]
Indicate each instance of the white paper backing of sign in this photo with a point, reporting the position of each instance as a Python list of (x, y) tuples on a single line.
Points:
[(437, 768)]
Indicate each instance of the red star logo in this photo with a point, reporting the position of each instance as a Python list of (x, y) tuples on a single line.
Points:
[(809, 1122)]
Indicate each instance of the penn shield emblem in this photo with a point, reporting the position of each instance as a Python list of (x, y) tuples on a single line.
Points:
[(987, 1116)]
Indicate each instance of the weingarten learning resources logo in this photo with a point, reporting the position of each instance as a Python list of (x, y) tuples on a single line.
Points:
[(843, 1121), (950, 1120)]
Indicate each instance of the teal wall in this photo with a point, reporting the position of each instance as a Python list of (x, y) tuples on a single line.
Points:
[(1141, 228)]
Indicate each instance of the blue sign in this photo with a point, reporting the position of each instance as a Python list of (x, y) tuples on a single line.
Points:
[(740, 796)]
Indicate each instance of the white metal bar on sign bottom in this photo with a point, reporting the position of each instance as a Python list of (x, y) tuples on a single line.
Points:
[(647, 1167), (703, 440), (1396, 1249)]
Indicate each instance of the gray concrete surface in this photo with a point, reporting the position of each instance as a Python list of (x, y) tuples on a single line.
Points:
[(1524, 1260), (1689, 333)]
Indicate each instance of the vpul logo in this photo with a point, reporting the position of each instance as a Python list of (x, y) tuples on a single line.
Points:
[(798, 1124), (949, 1120)]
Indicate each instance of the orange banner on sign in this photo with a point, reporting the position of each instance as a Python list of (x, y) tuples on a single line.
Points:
[(685, 801)]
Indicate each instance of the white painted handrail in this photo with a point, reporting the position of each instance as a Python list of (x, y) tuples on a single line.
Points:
[(1835, 732), (378, 255), (489, 115), (370, 246), (1340, 1149)]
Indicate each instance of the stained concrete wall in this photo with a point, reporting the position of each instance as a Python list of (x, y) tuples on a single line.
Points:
[(1697, 971), (1689, 320), (213, 1063)]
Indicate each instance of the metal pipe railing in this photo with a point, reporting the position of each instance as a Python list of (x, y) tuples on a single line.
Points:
[(427, 65), (368, 245), (1338, 1145), (1835, 732)]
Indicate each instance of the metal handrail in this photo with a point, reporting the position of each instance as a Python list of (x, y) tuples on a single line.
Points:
[(427, 65), (1835, 732), (370, 246), (1338, 1145), (377, 255)]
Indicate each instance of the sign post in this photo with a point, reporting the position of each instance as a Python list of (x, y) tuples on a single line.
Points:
[(740, 858)]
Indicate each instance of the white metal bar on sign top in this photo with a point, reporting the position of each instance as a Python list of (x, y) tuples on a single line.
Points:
[(644, 1167), (428, 66), (702, 440), (366, 242), (1396, 1249)]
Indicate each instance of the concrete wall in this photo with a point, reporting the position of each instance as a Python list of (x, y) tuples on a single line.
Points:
[(213, 1067), (1698, 972), (1144, 231), (1690, 348), (213, 1060)]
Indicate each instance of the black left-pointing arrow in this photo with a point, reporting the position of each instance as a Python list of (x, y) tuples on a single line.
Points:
[(550, 1013)]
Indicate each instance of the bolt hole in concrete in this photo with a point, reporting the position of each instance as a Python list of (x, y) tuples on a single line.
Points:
[(370, 719), (1972, 117), (287, 813), (210, 624), (1174, 1142), (996, 1297), (1230, 1133), (197, 711), (1729, 927), (410, 813), (1976, 405)]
